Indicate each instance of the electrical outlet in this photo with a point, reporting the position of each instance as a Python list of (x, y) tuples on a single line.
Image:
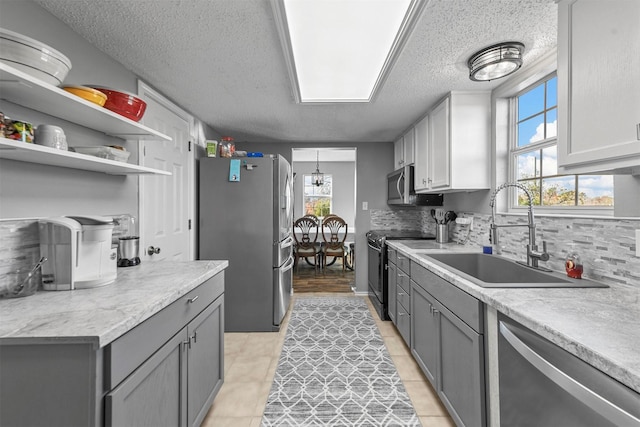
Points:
[(638, 243), (465, 221), (365, 206)]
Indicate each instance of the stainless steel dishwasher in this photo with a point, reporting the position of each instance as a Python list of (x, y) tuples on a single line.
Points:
[(543, 385)]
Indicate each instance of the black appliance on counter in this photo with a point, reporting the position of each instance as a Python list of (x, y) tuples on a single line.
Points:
[(377, 253)]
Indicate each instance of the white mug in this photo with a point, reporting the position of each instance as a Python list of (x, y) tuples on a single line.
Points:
[(51, 136)]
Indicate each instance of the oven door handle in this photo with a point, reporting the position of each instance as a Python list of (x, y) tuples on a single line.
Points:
[(379, 250)]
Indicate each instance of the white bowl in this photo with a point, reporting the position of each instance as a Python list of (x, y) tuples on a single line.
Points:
[(33, 57)]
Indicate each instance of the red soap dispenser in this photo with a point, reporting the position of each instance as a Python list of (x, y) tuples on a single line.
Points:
[(573, 266)]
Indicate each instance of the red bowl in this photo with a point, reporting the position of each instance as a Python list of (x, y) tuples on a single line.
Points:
[(125, 104)]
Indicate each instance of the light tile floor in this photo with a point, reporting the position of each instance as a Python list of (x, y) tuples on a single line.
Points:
[(250, 364)]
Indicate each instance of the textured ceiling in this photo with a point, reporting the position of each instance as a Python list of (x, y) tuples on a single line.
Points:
[(222, 61)]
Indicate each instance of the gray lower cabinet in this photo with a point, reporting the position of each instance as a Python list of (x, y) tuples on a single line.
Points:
[(448, 344), (164, 372), (155, 394), (176, 386), (392, 273), (403, 290)]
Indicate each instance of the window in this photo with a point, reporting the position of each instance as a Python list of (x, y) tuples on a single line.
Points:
[(317, 200), (534, 155)]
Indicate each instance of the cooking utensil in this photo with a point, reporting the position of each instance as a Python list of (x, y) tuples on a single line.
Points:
[(22, 284), (433, 215), (450, 216)]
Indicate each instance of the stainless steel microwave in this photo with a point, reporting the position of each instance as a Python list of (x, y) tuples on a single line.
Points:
[(401, 190)]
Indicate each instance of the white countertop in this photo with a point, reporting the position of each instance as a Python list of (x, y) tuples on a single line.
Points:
[(101, 315), (598, 325)]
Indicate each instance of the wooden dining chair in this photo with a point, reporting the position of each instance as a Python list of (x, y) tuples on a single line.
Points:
[(334, 234), (306, 243)]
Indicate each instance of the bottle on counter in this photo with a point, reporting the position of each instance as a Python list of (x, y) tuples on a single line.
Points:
[(573, 265)]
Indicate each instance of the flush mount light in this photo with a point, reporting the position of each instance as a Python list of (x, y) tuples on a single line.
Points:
[(495, 61), (342, 50)]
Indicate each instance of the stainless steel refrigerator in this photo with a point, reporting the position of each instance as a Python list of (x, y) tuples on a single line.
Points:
[(245, 216)]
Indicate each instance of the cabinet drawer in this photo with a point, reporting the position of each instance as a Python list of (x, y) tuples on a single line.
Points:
[(404, 263), (404, 281), (463, 305), (126, 353), (404, 324), (404, 298), (392, 255)]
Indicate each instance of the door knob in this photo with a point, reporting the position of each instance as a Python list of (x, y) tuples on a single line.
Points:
[(153, 250)]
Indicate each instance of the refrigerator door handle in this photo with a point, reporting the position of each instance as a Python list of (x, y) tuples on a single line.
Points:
[(288, 265), (287, 242)]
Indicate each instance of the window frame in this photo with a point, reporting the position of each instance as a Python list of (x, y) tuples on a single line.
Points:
[(306, 176), (506, 151)]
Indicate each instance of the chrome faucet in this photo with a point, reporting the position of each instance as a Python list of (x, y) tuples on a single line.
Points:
[(533, 254)]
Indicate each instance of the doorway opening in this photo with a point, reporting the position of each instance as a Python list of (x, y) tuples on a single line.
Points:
[(332, 192)]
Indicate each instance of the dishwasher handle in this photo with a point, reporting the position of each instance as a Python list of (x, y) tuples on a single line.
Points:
[(585, 395)]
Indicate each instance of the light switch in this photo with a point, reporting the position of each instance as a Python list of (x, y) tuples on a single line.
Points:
[(637, 242), (365, 206)]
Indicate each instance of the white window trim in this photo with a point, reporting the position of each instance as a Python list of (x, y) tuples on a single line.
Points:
[(503, 119), (330, 196)]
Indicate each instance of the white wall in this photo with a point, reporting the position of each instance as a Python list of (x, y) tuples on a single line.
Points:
[(35, 190)]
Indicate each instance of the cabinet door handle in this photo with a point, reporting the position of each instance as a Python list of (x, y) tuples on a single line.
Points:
[(192, 300), (638, 131), (195, 336), (401, 293), (187, 343)]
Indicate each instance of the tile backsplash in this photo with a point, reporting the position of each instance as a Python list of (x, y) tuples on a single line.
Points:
[(606, 246), (19, 248)]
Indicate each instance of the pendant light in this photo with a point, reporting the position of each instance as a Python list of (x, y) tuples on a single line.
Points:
[(495, 61), (317, 178)]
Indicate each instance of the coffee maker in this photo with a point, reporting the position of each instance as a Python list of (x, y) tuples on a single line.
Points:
[(79, 252), (128, 241)]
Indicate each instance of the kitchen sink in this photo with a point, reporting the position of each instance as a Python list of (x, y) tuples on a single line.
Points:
[(493, 271)]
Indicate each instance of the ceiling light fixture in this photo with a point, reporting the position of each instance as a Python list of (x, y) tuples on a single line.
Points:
[(495, 61), (342, 51), (317, 178)]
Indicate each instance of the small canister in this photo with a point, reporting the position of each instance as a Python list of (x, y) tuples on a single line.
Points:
[(442, 233), (51, 136)]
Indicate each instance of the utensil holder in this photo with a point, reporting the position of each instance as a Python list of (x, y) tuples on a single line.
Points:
[(442, 233)]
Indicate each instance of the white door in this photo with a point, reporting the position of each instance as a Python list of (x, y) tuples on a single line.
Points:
[(166, 202)]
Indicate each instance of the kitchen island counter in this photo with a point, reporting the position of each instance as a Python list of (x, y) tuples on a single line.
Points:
[(598, 325), (100, 315)]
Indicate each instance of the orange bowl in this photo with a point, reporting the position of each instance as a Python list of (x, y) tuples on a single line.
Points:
[(125, 104), (87, 93)]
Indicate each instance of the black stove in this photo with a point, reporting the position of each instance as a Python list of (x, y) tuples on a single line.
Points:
[(379, 236), (377, 249)]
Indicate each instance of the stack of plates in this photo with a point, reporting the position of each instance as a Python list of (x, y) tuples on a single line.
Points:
[(33, 58)]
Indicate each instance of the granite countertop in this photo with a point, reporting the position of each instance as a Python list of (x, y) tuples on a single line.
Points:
[(100, 315), (598, 325)]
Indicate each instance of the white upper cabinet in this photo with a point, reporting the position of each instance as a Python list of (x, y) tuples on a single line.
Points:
[(408, 147), (453, 144), (403, 150), (398, 153), (599, 86), (421, 172)]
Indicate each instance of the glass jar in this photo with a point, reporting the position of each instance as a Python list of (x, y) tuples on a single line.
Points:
[(573, 266)]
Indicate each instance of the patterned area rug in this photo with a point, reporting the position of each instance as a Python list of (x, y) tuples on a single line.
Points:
[(334, 370)]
